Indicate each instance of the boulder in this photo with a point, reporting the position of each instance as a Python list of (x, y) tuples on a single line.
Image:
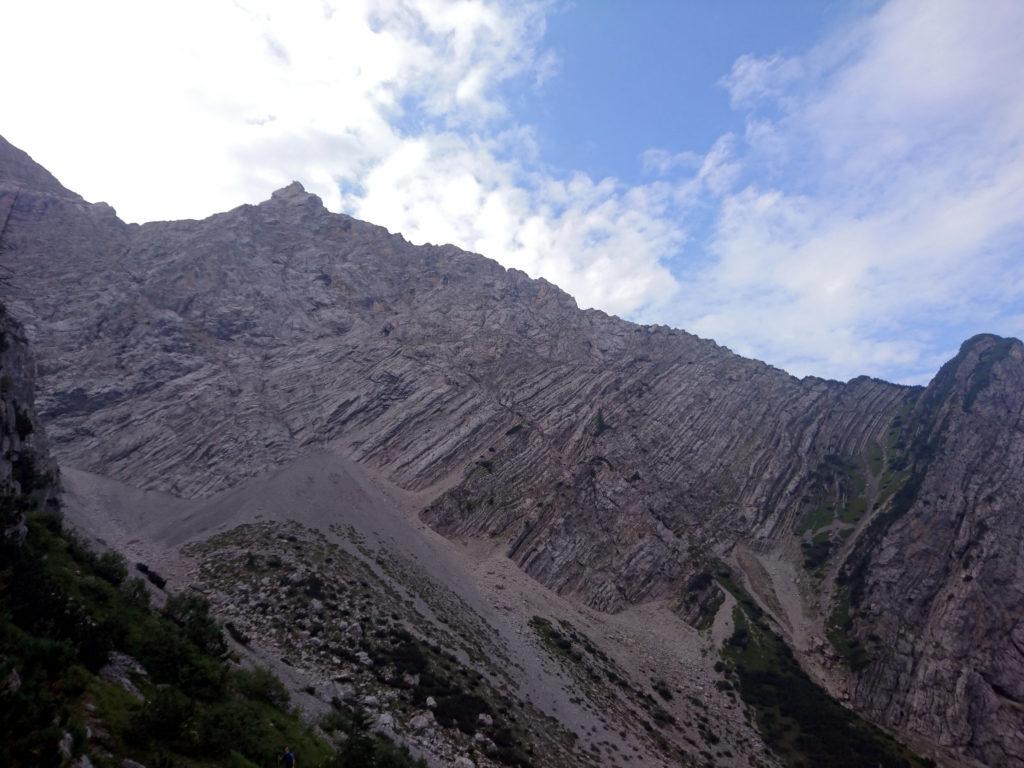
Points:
[(422, 721)]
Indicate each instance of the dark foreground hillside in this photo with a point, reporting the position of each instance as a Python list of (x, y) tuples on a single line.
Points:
[(99, 666), (90, 668)]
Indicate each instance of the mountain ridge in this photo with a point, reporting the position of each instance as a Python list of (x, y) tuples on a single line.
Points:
[(41, 180), (614, 463)]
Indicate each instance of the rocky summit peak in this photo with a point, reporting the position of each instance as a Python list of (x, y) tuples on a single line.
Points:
[(982, 360), (295, 194), (18, 171), (983, 342)]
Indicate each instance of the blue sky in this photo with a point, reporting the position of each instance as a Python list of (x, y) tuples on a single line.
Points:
[(835, 188), (631, 76)]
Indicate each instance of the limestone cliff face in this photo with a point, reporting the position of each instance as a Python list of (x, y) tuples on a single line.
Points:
[(185, 356), (656, 463), (613, 460), (942, 591), (28, 476)]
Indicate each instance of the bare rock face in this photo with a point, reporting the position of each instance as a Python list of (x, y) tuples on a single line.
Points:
[(186, 356), (942, 587), (613, 460), (28, 476)]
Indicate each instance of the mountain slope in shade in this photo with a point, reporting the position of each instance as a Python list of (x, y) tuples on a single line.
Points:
[(616, 464), (938, 589)]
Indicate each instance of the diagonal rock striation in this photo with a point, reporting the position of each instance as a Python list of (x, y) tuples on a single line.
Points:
[(614, 462)]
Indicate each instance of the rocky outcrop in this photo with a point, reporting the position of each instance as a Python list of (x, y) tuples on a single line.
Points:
[(657, 460), (352, 635), (28, 476), (941, 594), (612, 460), (186, 356)]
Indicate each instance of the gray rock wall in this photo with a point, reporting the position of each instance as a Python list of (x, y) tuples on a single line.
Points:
[(944, 591), (28, 476), (612, 460)]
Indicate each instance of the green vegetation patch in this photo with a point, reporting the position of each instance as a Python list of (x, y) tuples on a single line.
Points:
[(839, 631), (408, 667), (64, 610), (358, 746), (461, 694), (726, 578), (890, 483), (909, 447), (801, 723), (817, 551), (709, 610), (562, 642), (816, 518), (835, 490), (856, 501), (875, 458), (600, 425)]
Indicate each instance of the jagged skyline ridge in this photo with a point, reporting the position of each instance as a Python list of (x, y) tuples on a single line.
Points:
[(867, 176)]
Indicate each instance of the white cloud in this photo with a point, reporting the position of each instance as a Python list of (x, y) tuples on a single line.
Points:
[(870, 211), (599, 240), (882, 201), (184, 109), (662, 161), (753, 79), (719, 169)]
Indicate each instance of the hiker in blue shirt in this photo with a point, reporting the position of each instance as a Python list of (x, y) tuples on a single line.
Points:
[(289, 758)]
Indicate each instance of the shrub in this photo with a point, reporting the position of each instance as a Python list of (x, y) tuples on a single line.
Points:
[(28, 735), (799, 718), (79, 549), (661, 717), (662, 689), (154, 578), (171, 658), (261, 684), (228, 726), (408, 657), (61, 613), (192, 614), (357, 751), (387, 755), (740, 637), (22, 422), (816, 553), (112, 567), (23, 470), (236, 634), (699, 582), (135, 593), (163, 716), (461, 710)]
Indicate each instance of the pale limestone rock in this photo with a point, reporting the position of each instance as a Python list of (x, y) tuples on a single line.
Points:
[(422, 721), (119, 669), (607, 458)]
